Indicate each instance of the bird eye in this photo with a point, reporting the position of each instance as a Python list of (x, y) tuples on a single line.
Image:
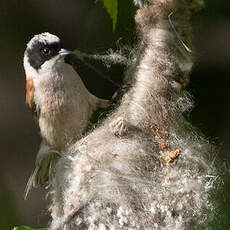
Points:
[(45, 51)]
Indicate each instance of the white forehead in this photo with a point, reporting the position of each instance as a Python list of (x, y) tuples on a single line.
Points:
[(44, 38)]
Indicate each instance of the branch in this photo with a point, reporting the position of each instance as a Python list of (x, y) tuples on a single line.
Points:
[(145, 166)]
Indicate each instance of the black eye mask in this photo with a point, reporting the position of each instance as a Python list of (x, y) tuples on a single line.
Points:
[(40, 52)]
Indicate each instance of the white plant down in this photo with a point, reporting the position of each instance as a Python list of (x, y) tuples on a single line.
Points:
[(156, 171), (139, 3)]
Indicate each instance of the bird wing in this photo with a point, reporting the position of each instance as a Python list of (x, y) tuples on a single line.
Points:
[(30, 97)]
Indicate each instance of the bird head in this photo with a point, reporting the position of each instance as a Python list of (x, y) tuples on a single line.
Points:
[(42, 53)]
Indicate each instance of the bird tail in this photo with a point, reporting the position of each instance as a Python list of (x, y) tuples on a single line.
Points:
[(41, 175), (30, 183)]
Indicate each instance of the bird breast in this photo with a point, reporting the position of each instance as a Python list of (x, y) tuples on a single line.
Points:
[(64, 109)]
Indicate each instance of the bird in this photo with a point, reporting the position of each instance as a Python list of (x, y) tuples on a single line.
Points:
[(58, 100)]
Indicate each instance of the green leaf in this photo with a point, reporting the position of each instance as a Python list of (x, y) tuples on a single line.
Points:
[(112, 8), (27, 228)]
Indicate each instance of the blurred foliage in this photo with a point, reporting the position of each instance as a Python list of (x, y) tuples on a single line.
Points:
[(111, 7), (8, 213), (27, 228)]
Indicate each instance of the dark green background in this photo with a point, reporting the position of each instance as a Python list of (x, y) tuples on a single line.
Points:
[(82, 24)]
